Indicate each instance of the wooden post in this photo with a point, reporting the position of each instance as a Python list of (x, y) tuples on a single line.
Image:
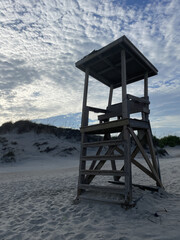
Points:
[(110, 96), (145, 116), (123, 82), (146, 86), (126, 136), (84, 120)]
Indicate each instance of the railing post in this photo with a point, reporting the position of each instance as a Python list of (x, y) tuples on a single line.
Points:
[(110, 96), (145, 116), (146, 86), (85, 113)]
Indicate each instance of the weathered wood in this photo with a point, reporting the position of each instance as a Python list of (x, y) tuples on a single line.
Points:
[(96, 110), (103, 143), (113, 126), (108, 189), (123, 82), (97, 64), (115, 110), (137, 99), (103, 172), (82, 164), (146, 157), (146, 85), (152, 151), (104, 157), (127, 165), (138, 124), (110, 96), (98, 199), (84, 121), (143, 187)]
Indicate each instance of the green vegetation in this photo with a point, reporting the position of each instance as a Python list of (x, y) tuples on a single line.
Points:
[(170, 140)]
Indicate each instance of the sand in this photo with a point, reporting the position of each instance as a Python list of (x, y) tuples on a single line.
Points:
[(36, 202)]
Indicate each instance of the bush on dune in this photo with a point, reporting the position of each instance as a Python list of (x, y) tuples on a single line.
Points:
[(170, 141)]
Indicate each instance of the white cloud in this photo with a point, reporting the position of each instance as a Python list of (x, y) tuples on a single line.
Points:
[(41, 40)]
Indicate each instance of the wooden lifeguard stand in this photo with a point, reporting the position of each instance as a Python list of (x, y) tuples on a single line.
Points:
[(116, 65)]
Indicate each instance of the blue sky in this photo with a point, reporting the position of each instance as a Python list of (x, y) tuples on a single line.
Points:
[(40, 41)]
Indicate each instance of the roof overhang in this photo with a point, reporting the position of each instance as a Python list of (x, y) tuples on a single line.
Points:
[(105, 63)]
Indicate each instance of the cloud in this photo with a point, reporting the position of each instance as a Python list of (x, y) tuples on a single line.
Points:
[(40, 42), (14, 72)]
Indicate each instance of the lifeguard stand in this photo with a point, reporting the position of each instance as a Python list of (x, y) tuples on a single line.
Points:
[(116, 65)]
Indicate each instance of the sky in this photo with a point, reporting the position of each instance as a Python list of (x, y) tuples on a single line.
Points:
[(40, 41)]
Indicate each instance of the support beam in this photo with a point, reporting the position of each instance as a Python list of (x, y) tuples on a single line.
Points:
[(146, 158), (123, 81), (84, 121), (146, 86), (110, 96), (127, 165)]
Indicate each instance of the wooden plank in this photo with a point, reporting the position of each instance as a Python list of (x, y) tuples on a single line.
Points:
[(104, 157), (105, 200), (146, 157), (143, 187), (138, 124), (103, 143), (113, 126), (135, 107), (115, 110), (96, 110), (107, 189), (138, 99), (114, 65), (99, 77), (103, 172)]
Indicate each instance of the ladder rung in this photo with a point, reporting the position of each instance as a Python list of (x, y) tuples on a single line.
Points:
[(107, 189), (103, 143), (121, 202), (105, 157), (103, 172)]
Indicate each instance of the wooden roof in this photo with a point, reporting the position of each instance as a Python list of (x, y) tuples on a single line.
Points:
[(105, 63)]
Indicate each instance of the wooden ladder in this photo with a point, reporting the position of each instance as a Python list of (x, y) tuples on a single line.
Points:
[(98, 192)]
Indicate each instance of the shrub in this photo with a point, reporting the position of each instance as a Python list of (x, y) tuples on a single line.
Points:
[(6, 127), (170, 140)]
